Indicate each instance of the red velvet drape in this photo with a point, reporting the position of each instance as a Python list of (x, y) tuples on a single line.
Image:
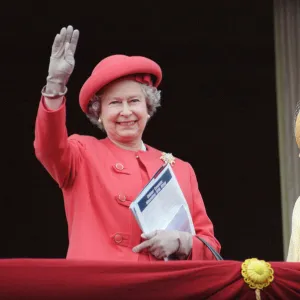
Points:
[(65, 279)]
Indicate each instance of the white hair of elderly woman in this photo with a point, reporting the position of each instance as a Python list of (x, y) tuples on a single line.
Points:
[(152, 94)]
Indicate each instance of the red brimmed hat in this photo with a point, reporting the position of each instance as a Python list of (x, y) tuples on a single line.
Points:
[(117, 66)]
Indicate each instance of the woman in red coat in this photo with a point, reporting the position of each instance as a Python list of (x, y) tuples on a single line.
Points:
[(100, 178)]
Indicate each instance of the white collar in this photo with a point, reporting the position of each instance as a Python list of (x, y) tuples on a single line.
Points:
[(143, 147)]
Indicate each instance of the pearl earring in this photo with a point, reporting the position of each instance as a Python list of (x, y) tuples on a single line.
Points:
[(99, 120)]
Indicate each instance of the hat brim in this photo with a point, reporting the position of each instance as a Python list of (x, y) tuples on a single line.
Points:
[(105, 74)]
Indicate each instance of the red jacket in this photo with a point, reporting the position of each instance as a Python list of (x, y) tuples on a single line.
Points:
[(99, 180)]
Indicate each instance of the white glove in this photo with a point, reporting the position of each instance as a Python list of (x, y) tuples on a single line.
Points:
[(162, 243), (62, 60)]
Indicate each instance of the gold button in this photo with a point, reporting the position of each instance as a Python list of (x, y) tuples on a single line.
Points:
[(122, 198), (118, 238), (119, 166)]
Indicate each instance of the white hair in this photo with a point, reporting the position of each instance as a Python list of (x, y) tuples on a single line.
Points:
[(152, 95)]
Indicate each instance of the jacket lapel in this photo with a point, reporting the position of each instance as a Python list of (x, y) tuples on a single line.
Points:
[(151, 160)]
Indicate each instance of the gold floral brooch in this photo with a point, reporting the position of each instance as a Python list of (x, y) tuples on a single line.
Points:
[(168, 158)]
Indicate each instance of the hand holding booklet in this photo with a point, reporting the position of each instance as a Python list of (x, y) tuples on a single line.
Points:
[(161, 205)]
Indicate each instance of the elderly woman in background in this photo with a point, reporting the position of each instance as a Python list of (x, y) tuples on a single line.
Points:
[(294, 247), (100, 178)]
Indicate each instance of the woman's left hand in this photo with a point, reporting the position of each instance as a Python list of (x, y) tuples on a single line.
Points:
[(162, 243)]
